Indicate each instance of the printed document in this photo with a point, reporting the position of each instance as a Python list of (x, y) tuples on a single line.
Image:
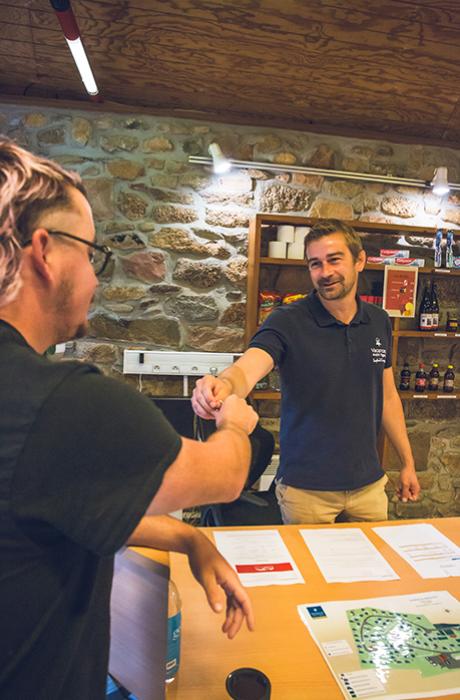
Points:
[(390, 648), (259, 557), (346, 555), (428, 551)]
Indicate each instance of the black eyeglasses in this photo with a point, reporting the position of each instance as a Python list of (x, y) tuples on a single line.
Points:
[(99, 255)]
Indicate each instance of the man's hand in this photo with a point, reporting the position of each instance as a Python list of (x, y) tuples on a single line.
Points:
[(236, 413), (409, 488), (208, 395), (217, 577)]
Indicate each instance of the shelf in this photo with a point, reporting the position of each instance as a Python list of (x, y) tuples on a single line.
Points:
[(266, 395), (430, 396), (282, 261), (269, 395), (266, 220), (426, 334), (369, 266), (422, 270)]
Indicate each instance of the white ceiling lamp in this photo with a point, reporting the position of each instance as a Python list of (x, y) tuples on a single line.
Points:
[(218, 157), (439, 182), (220, 163), (71, 31)]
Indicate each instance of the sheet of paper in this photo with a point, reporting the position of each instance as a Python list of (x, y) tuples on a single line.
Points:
[(346, 555), (260, 557), (390, 648), (432, 554)]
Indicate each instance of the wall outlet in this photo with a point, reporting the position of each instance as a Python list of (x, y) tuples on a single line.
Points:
[(176, 363)]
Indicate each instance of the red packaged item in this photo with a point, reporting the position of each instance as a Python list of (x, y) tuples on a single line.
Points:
[(268, 300), (290, 298)]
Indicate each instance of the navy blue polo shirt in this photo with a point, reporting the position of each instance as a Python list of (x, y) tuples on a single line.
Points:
[(331, 392)]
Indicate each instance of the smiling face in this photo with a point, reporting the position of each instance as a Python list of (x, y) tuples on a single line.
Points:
[(333, 270)]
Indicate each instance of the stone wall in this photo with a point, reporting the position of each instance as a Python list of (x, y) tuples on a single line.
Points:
[(179, 233)]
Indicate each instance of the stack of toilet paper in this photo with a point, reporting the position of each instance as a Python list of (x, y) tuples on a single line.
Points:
[(289, 242)]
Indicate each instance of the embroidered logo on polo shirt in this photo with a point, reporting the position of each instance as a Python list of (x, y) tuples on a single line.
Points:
[(379, 354)]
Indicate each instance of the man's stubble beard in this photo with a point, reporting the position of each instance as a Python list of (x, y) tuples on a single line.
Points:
[(63, 310), (340, 292)]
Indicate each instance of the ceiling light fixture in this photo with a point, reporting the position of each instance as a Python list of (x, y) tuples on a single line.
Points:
[(439, 182), (220, 163), (69, 26), (324, 172)]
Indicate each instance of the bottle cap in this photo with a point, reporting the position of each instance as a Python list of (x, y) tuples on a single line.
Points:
[(248, 684)]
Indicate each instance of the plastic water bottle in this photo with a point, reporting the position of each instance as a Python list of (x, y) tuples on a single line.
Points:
[(174, 627)]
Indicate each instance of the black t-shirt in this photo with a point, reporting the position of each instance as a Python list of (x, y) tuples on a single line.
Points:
[(332, 392), (81, 457)]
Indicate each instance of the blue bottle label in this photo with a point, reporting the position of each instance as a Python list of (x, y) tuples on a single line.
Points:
[(173, 650)]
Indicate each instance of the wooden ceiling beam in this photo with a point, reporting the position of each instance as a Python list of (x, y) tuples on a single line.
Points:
[(289, 33), (223, 117)]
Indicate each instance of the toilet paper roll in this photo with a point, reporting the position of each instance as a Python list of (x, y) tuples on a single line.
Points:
[(300, 233), (277, 249), (285, 233), (295, 251)]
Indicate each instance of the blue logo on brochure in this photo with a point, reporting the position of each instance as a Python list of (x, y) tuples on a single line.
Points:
[(316, 611)]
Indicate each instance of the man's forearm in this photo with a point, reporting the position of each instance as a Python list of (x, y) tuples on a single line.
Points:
[(395, 427), (236, 380), (163, 532), (234, 443)]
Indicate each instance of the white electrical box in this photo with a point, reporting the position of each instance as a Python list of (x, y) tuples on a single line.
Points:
[(178, 363)]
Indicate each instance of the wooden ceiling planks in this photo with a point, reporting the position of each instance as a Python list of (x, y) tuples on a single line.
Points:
[(390, 69)]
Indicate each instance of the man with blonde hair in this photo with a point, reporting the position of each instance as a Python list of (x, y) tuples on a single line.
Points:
[(86, 463), (333, 352)]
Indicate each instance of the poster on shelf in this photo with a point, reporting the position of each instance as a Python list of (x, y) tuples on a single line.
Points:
[(400, 291)]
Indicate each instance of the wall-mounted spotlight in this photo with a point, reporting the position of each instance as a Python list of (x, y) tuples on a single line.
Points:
[(439, 182), (69, 26), (220, 163)]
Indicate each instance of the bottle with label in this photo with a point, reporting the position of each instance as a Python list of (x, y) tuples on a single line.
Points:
[(434, 307), (438, 248), (450, 249), (449, 380), (424, 319), (404, 381), (433, 379), (174, 628), (420, 379), (452, 322)]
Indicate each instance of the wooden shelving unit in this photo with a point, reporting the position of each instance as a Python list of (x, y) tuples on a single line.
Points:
[(274, 267), (427, 395)]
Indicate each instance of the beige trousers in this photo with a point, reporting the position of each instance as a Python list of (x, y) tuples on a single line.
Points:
[(303, 506)]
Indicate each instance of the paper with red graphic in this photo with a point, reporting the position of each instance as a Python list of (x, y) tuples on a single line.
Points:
[(260, 557)]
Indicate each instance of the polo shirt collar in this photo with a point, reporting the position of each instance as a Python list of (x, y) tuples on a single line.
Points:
[(9, 332), (324, 318)]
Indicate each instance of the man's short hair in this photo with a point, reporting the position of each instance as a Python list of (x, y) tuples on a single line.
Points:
[(328, 226), (29, 186)]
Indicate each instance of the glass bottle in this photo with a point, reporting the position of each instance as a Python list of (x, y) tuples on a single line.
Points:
[(420, 379), (173, 634), (424, 322), (449, 380), (450, 249), (434, 307), (452, 322), (438, 248), (433, 380), (404, 381)]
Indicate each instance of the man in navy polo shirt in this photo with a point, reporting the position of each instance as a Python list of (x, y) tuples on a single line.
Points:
[(333, 352)]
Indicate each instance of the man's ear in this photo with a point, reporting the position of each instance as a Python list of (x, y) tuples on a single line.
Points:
[(40, 247), (361, 260)]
